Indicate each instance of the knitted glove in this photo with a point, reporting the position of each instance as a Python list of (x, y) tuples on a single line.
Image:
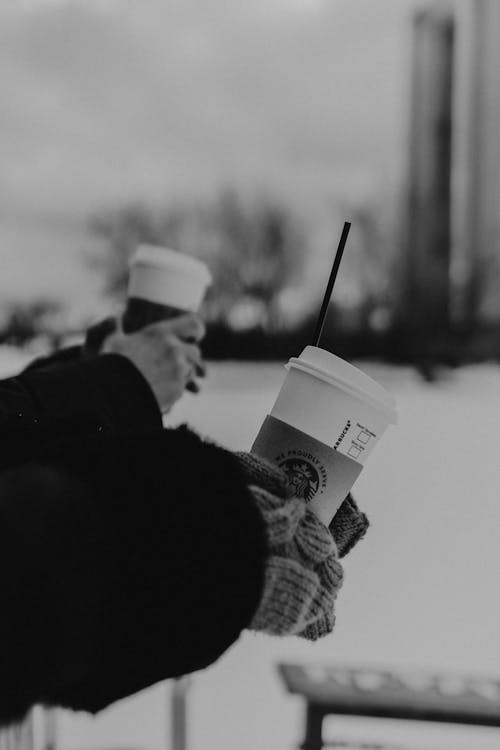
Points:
[(349, 524), (303, 575)]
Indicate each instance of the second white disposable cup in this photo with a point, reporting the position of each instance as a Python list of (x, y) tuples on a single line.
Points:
[(167, 277), (326, 420)]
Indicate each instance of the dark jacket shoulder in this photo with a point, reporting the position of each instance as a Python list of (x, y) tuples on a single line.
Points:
[(104, 393)]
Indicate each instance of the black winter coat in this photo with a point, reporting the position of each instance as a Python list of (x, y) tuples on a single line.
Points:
[(129, 553)]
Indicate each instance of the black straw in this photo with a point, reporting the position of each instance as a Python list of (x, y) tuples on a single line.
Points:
[(331, 282)]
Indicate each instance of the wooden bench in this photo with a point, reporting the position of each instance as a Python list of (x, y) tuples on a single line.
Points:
[(390, 694)]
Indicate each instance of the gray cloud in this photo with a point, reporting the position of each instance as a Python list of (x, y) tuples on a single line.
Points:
[(103, 101)]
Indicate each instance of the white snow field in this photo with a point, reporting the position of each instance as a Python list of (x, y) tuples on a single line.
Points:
[(422, 590)]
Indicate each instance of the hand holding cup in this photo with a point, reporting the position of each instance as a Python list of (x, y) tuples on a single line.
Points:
[(163, 285), (167, 355)]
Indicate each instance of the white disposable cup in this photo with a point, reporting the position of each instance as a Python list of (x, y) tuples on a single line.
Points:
[(167, 277), (326, 420)]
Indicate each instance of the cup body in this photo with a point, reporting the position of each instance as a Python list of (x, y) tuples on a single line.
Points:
[(141, 312), (326, 420)]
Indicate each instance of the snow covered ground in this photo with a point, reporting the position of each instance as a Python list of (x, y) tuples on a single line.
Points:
[(422, 590)]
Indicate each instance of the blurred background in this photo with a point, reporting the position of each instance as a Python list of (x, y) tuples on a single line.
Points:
[(245, 134)]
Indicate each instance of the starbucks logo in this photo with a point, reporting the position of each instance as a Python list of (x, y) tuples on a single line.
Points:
[(303, 479)]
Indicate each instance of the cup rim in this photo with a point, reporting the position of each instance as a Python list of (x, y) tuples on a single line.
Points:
[(386, 402)]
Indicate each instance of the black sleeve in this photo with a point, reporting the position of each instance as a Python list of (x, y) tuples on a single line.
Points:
[(59, 357), (50, 548), (102, 394), (159, 542)]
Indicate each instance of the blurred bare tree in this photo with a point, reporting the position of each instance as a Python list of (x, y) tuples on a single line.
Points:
[(373, 256), (24, 321), (260, 250), (122, 231), (254, 249)]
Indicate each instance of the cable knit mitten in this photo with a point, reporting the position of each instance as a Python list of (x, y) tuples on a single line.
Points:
[(349, 524), (303, 574)]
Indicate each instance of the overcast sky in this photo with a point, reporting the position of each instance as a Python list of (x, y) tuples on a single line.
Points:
[(109, 100)]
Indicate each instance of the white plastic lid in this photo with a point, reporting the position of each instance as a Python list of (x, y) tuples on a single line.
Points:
[(167, 277), (332, 369), (165, 257)]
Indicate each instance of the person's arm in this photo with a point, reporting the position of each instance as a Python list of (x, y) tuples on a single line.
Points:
[(59, 357), (143, 557), (126, 560), (50, 584), (125, 389), (102, 394)]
